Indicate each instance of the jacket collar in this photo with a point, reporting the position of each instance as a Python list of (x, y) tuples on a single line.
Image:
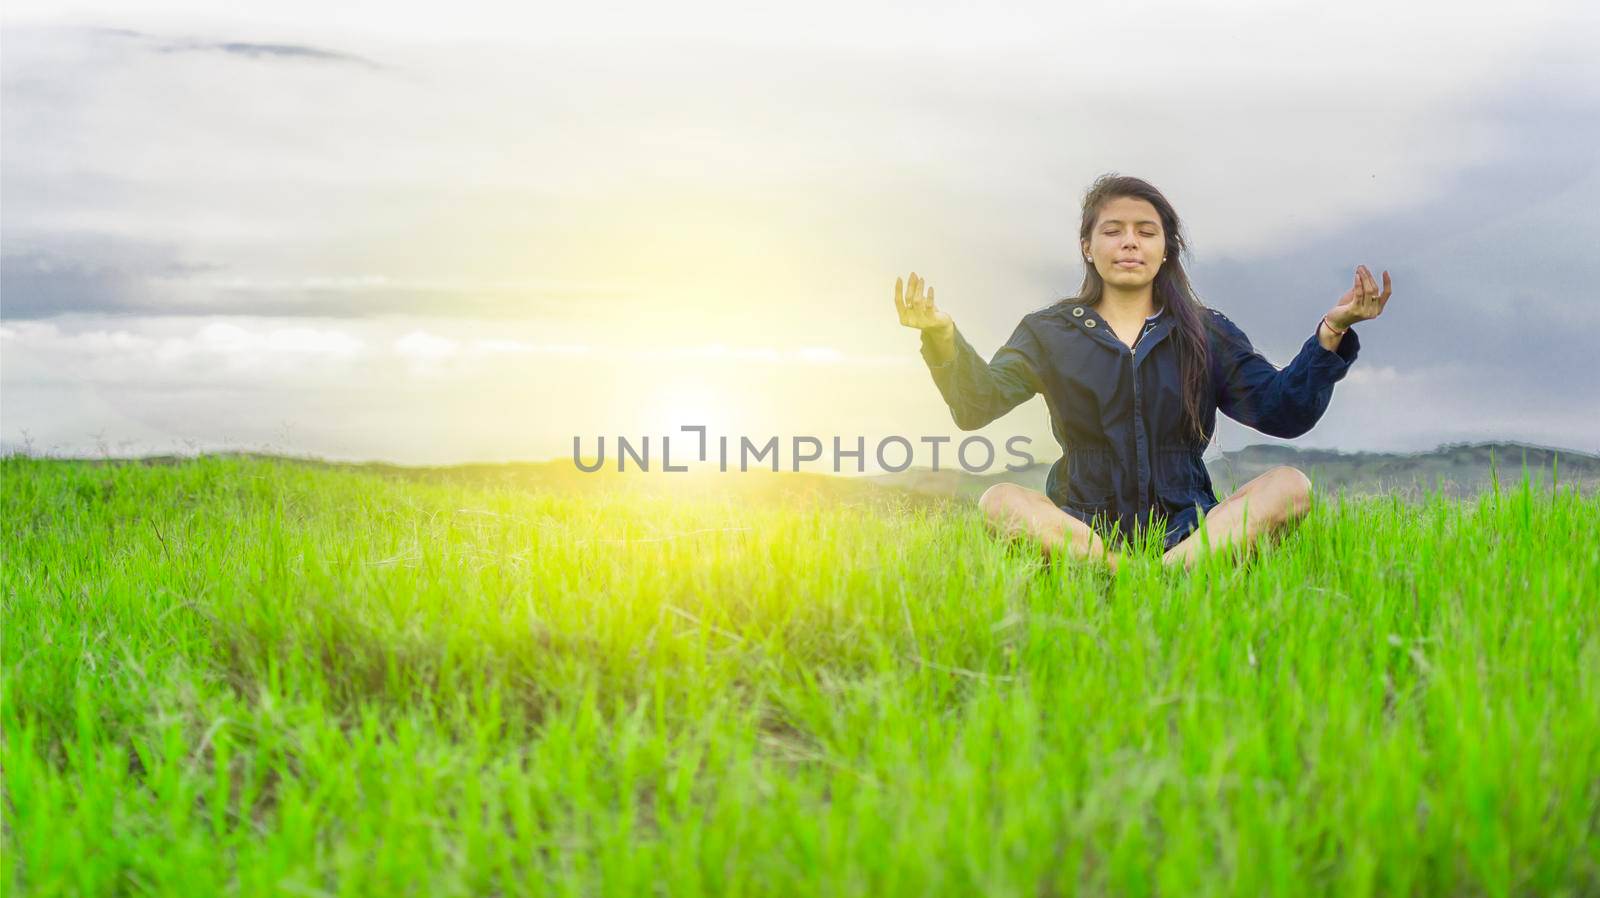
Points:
[(1088, 321)]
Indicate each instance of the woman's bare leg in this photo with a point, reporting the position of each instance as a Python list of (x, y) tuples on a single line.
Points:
[(1011, 510), (1269, 505)]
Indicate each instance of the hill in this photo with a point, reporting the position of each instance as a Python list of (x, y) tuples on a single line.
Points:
[(1458, 470)]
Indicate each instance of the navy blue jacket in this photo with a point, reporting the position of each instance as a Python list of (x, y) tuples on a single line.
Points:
[(1118, 412)]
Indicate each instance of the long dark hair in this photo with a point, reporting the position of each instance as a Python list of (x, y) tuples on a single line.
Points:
[(1171, 288)]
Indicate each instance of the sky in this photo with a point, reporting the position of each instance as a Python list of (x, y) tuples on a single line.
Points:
[(372, 232)]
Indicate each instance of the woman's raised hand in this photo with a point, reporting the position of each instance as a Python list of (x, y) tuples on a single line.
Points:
[(916, 309), (1362, 301)]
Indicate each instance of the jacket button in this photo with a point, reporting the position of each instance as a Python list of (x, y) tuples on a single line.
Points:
[(1077, 311), (1089, 323)]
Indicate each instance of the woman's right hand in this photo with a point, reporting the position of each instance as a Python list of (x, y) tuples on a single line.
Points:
[(916, 309)]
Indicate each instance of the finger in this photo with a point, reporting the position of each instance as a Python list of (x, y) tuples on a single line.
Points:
[(915, 297), (1368, 286), (899, 299), (931, 306), (1387, 288)]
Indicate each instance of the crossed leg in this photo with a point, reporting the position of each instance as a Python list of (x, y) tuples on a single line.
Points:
[(1013, 511), (1267, 507)]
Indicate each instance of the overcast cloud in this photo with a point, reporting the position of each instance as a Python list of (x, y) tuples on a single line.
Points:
[(312, 230)]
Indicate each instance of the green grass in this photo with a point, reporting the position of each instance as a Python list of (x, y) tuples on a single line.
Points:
[(240, 676)]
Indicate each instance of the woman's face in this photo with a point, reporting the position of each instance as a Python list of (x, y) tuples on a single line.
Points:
[(1127, 228)]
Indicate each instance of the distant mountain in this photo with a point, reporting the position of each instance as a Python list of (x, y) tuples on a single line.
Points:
[(1458, 469), (1455, 469), (562, 477)]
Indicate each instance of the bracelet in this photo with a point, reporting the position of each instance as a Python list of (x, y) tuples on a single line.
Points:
[(1336, 331)]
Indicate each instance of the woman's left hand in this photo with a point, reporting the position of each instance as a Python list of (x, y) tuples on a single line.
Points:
[(1362, 302)]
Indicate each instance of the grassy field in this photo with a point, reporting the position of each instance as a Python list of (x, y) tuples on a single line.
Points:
[(241, 676)]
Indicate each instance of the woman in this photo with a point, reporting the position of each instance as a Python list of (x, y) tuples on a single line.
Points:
[(1134, 369)]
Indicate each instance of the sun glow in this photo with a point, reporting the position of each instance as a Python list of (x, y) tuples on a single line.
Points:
[(689, 403)]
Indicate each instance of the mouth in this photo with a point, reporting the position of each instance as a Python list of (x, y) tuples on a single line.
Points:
[(1129, 263)]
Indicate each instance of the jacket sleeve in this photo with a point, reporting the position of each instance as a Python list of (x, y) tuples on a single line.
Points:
[(1286, 403), (978, 392)]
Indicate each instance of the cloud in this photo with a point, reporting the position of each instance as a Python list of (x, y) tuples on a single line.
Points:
[(495, 346), (423, 345), (156, 355), (405, 389), (285, 52), (1421, 407), (150, 352), (43, 276), (234, 341), (419, 390), (272, 51), (1496, 296), (724, 203), (684, 168), (85, 272)]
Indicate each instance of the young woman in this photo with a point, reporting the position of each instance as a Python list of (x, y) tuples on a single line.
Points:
[(1134, 369)]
